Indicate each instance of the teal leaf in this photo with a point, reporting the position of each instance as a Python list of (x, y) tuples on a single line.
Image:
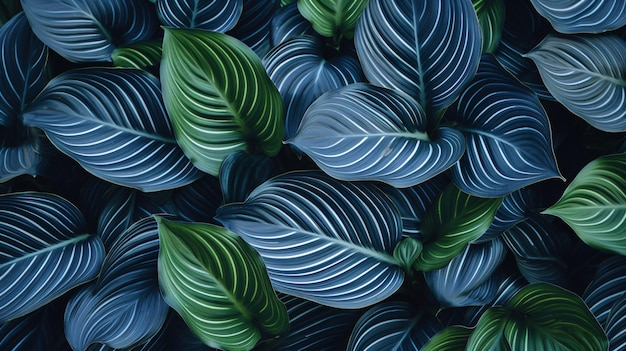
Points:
[(219, 16), (44, 251), (366, 132), (586, 75), (427, 49), (254, 25), (491, 19), (321, 239), (113, 122), (139, 55), (606, 288), (333, 18), (241, 173), (574, 16), (407, 251)]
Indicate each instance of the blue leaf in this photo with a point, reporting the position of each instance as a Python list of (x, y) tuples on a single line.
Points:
[(215, 15), (241, 172), (616, 324), (427, 49), (44, 251), (288, 23), (366, 132), (113, 122), (321, 239), (606, 288), (254, 24), (39, 330), (509, 283), (515, 208), (124, 307), (507, 133), (575, 16)]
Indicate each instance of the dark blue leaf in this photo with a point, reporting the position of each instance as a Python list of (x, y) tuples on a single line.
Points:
[(39, 330), (288, 23), (44, 251), (575, 16), (113, 122), (616, 325), (241, 172), (215, 15), (116, 215), (515, 208), (606, 288), (255, 23)]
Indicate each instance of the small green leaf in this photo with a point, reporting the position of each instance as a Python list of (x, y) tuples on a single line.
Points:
[(333, 18), (491, 19), (138, 55), (218, 284), (453, 221), (594, 204), (489, 332), (407, 251), (219, 97), (452, 338)]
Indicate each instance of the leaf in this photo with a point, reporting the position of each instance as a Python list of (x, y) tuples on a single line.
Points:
[(406, 252), (491, 19), (366, 132), (615, 325), (507, 133), (321, 239), (539, 317), (509, 283), (218, 284), (606, 288), (8, 9), (301, 71), (410, 45), (333, 18), (138, 55), (586, 75), (241, 173), (38, 330), (594, 204), (574, 16), (124, 307), (88, 31), (218, 109), (452, 338), (288, 23), (516, 207), (465, 281), (44, 251), (453, 221), (254, 25), (113, 122), (392, 326), (214, 15)]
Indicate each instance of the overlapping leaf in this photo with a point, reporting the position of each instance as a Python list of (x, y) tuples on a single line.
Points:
[(215, 15), (44, 251), (491, 18), (138, 55), (288, 23), (428, 49), (253, 27), (124, 307), (218, 109), (576, 16), (113, 122), (507, 133), (515, 208), (321, 239), (586, 75), (452, 338), (509, 283), (89, 31), (594, 204), (218, 284), (241, 173), (616, 324), (606, 288), (333, 18), (39, 330), (366, 132)]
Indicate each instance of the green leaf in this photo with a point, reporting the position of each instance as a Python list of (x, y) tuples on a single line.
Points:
[(138, 55), (333, 18), (219, 97), (539, 317), (218, 284), (491, 19), (452, 338), (594, 204), (453, 221), (407, 251)]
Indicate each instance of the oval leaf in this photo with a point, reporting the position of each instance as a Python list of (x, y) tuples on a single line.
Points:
[(214, 15), (321, 239), (366, 132), (594, 204), (220, 107), (606, 288), (507, 133), (576, 16), (586, 75), (138, 55), (218, 284), (113, 122), (241, 173), (491, 19), (333, 18), (452, 338), (427, 49), (44, 251)]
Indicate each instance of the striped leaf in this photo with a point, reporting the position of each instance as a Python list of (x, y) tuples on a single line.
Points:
[(18, 160), (89, 31), (427, 49), (113, 122), (217, 109), (606, 288), (586, 75), (452, 222), (241, 173), (366, 132), (594, 204), (218, 284), (465, 281), (288, 23), (321, 239), (509, 283), (138, 55), (124, 307), (616, 325), (254, 25), (392, 326), (214, 15), (333, 18), (515, 208), (301, 72), (491, 19), (507, 133), (576, 16), (44, 251), (38, 330), (452, 338), (539, 317)]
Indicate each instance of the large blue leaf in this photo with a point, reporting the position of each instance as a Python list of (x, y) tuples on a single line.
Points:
[(366, 132), (301, 73), (44, 251), (241, 172), (253, 27), (428, 49), (321, 239), (39, 330), (507, 132), (577, 16), (515, 208), (215, 15), (124, 307), (606, 288), (288, 23), (113, 122)]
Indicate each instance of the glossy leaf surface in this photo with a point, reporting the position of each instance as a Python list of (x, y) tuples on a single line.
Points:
[(606, 288), (452, 338), (138, 55), (333, 18), (580, 16), (214, 15), (491, 19)]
